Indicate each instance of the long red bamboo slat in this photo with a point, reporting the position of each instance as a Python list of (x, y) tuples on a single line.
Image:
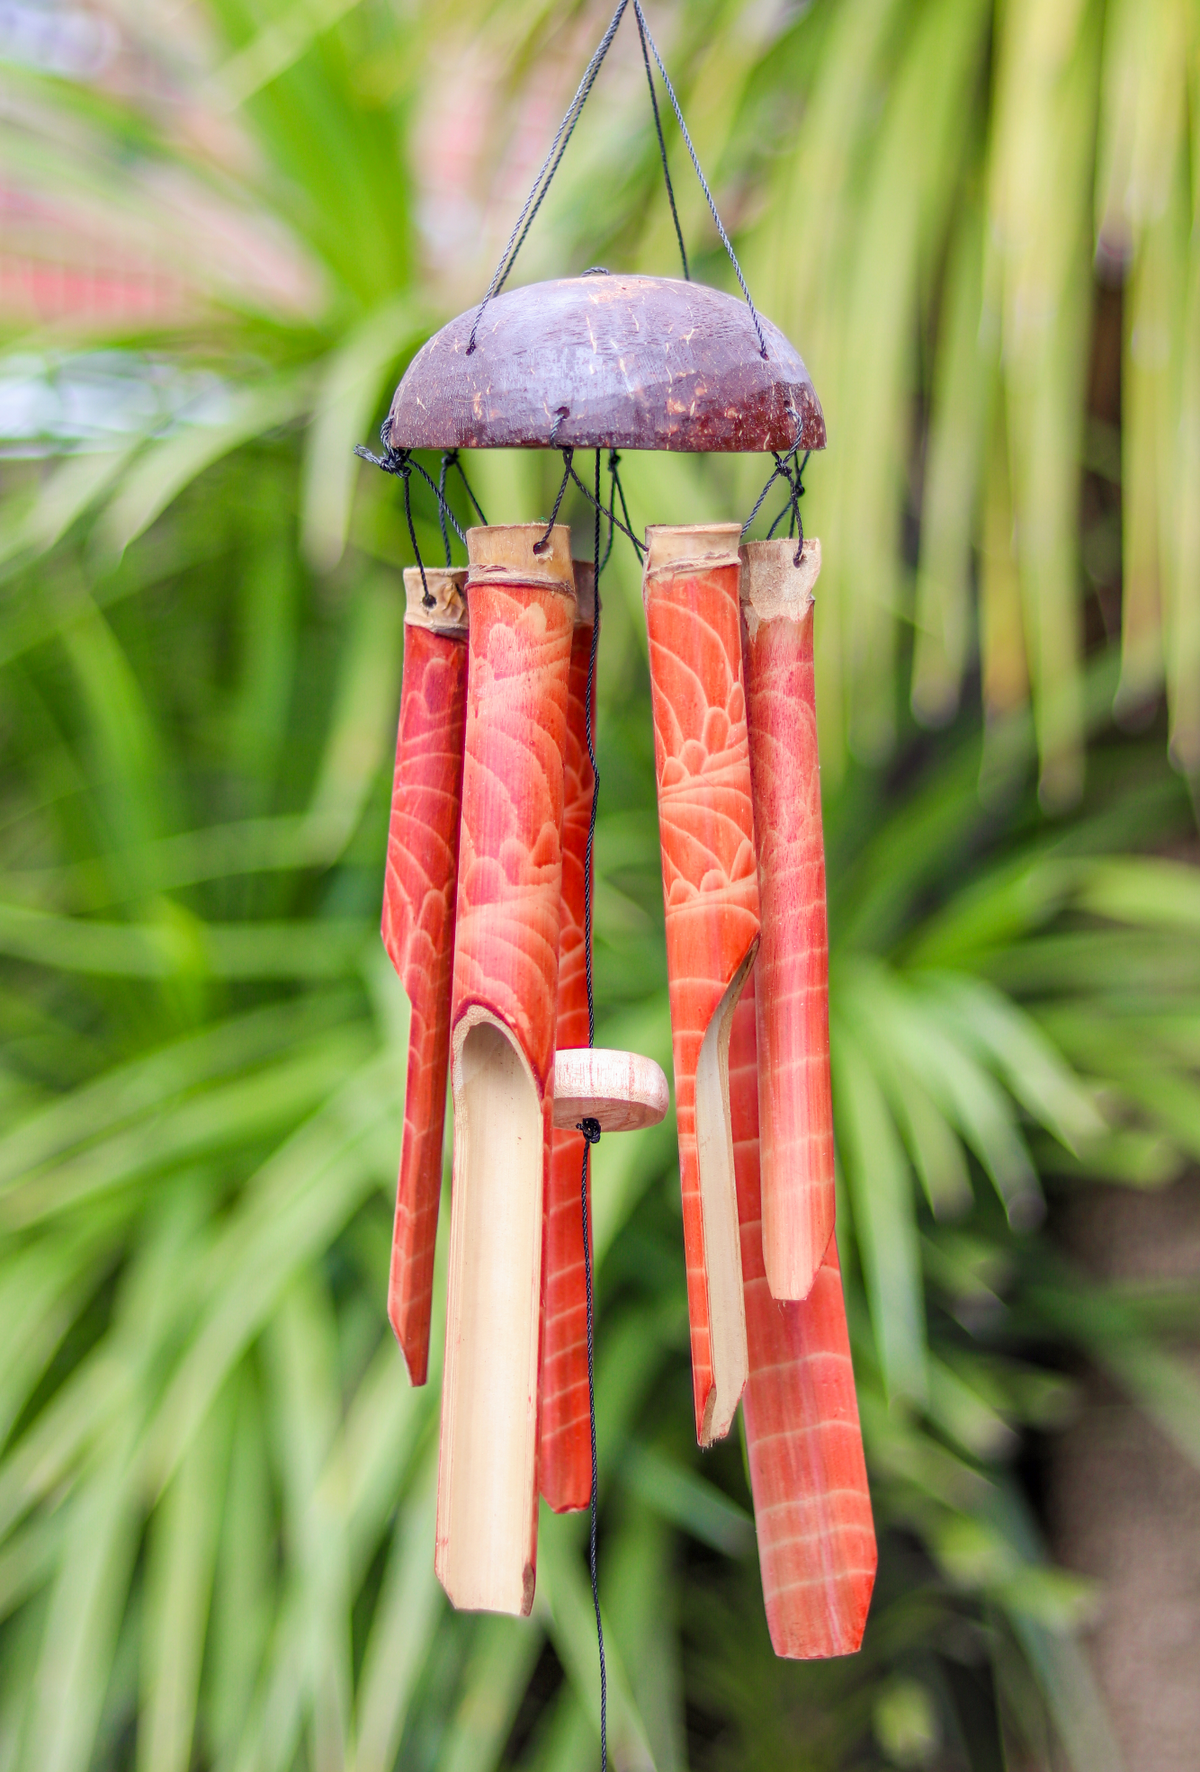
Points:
[(812, 1506), (565, 1452), (420, 886), (710, 890), (522, 614), (795, 1106)]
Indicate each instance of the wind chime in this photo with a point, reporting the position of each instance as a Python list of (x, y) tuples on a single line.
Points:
[(487, 918)]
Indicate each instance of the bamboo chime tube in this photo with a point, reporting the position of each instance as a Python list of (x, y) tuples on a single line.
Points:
[(812, 1507), (710, 890), (419, 893), (565, 1459), (795, 1105), (522, 613)]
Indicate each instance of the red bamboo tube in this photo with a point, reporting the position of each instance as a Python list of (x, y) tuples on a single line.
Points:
[(565, 1451), (710, 890), (812, 1506), (522, 613), (795, 1107), (418, 926)]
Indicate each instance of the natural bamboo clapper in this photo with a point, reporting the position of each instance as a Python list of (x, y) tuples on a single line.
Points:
[(487, 917)]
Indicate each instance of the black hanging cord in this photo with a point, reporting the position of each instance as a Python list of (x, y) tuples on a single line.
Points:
[(795, 518), (558, 148), (782, 469), (539, 547), (441, 496), (401, 463), (662, 148), (601, 510), (589, 1127), (613, 462), (541, 183), (792, 473), (683, 130), (452, 459)]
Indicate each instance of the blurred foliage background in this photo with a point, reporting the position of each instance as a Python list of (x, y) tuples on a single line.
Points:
[(227, 226)]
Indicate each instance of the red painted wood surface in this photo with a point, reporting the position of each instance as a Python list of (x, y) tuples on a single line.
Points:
[(812, 1507), (565, 1461), (792, 969), (510, 860), (710, 878), (418, 932)]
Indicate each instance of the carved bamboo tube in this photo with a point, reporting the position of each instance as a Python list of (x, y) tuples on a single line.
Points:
[(812, 1506), (795, 1107), (420, 887), (565, 1458), (522, 612), (710, 891)]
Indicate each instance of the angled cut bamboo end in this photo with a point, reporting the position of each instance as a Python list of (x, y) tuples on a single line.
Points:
[(446, 612), (487, 1490), (719, 1209)]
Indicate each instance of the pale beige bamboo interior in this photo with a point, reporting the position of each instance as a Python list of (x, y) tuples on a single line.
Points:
[(719, 1213), (487, 1474)]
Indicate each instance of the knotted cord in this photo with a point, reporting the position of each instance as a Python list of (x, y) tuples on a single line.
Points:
[(786, 469)]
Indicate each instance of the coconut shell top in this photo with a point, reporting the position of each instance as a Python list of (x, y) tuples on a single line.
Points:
[(606, 361)]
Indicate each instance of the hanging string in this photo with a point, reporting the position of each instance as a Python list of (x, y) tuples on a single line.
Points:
[(662, 148), (441, 498), (558, 148), (540, 547), (452, 459), (782, 469), (795, 519), (601, 509), (589, 1127), (613, 463), (403, 464), (683, 129), (785, 468), (563, 134)]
